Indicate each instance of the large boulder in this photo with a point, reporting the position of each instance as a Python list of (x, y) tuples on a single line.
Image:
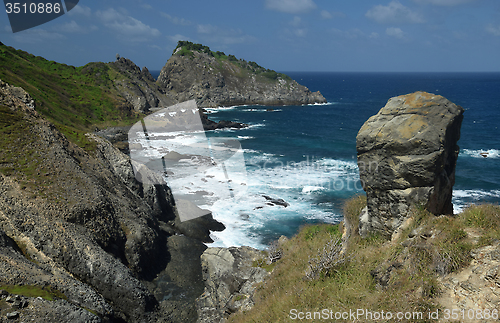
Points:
[(406, 156)]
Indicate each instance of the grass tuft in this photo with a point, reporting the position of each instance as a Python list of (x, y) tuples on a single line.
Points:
[(393, 276), (48, 293)]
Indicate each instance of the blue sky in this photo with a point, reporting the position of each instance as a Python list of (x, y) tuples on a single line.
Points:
[(284, 35)]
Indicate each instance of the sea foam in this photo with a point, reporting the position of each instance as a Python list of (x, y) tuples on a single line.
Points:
[(480, 153)]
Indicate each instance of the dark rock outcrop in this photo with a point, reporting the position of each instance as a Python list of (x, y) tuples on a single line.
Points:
[(79, 222), (138, 87), (214, 83), (406, 156), (212, 125)]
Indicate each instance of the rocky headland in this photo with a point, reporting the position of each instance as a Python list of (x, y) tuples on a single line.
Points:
[(216, 79)]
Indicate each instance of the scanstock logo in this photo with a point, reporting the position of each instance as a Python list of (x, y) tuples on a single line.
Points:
[(28, 14), (170, 147)]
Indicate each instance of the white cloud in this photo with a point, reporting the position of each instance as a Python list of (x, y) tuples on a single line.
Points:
[(326, 15), (298, 29), (395, 32), (300, 32), (448, 3), (74, 27), (224, 36), (147, 6), (176, 20), (291, 6), (206, 29), (374, 35), (296, 22), (348, 34), (494, 30), (331, 14), (394, 12), (126, 26), (37, 35), (175, 38), (80, 10)]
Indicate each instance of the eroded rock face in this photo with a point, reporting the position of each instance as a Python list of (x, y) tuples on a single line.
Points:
[(230, 282), (139, 87), (407, 154), (82, 224), (213, 84)]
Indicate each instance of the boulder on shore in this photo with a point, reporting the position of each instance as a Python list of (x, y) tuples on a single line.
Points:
[(407, 154)]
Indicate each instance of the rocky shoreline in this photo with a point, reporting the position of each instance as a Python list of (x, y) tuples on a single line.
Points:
[(211, 82), (108, 247)]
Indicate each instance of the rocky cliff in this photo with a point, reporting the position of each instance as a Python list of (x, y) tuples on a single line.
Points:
[(214, 79), (137, 86), (77, 225), (231, 279), (406, 156)]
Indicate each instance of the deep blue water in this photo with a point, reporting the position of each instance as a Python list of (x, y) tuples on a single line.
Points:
[(306, 155)]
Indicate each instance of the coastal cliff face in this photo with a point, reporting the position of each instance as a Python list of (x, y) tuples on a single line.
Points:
[(218, 81), (78, 224), (231, 279), (76, 228), (407, 154), (137, 86)]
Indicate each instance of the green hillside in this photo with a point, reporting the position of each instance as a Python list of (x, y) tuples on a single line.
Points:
[(75, 99)]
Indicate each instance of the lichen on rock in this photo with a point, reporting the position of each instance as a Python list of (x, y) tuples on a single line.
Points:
[(407, 154)]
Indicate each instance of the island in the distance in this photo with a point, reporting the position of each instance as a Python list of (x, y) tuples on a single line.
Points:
[(213, 79)]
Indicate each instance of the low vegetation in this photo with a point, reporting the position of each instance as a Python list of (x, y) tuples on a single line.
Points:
[(75, 99), (187, 48), (375, 274), (18, 151), (48, 293)]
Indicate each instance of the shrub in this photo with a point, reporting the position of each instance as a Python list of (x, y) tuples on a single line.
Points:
[(270, 75), (274, 252), (330, 257), (185, 52)]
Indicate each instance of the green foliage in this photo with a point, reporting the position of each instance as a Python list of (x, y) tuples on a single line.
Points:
[(312, 231), (49, 293), (263, 264), (185, 52), (285, 77), (192, 47), (270, 75), (17, 153), (75, 99), (188, 47), (482, 216)]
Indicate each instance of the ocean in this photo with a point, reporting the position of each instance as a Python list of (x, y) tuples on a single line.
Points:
[(304, 157)]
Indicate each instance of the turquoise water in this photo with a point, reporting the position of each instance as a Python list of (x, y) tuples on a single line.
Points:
[(306, 155)]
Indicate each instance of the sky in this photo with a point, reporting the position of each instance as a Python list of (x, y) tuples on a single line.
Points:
[(284, 35)]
